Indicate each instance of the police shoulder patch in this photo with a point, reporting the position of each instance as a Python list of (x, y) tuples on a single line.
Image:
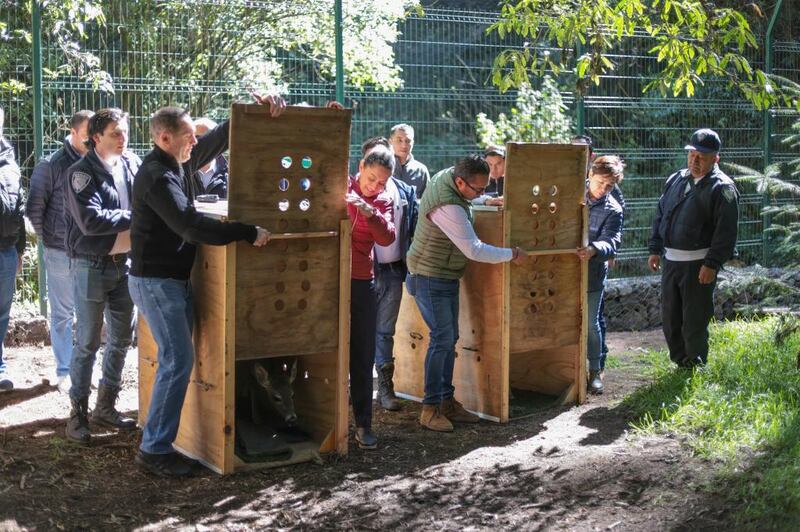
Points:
[(728, 194), (79, 181)]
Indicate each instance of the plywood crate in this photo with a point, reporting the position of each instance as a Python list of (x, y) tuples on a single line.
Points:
[(289, 298), (522, 328)]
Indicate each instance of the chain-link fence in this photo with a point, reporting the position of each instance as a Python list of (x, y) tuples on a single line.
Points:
[(446, 59)]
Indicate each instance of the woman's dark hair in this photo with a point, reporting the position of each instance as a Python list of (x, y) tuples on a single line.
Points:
[(381, 156)]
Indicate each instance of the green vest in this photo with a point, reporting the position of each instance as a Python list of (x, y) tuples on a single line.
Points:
[(431, 253)]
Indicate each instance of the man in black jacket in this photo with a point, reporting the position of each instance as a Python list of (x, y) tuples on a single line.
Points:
[(97, 192), (45, 210), (213, 177), (390, 272), (166, 229), (12, 239), (695, 229)]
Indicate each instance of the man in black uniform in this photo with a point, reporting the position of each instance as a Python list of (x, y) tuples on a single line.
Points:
[(695, 230)]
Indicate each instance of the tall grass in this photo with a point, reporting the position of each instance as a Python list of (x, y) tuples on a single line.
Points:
[(742, 409)]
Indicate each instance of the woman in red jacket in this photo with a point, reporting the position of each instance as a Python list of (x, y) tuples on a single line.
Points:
[(370, 212)]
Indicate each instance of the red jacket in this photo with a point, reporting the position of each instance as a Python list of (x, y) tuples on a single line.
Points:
[(378, 228)]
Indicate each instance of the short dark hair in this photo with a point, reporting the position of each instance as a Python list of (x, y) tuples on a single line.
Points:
[(609, 165), (585, 139), (372, 142), (79, 118), (381, 156), (100, 120), (470, 167), (167, 119)]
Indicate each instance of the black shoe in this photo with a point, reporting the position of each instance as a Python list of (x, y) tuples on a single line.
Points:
[(164, 465), (6, 384), (596, 382), (691, 363), (366, 439), (386, 397), (78, 423)]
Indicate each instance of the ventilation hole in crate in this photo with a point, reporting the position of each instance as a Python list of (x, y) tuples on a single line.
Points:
[(550, 306), (283, 224), (279, 304), (553, 207), (533, 308), (302, 304), (283, 245), (553, 258), (283, 184), (553, 190), (413, 345), (286, 162), (281, 266), (478, 359), (303, 265), (205, 265), (306, 162), (302, 246), (305, 183), (305, 223), (536, 190), (535, 225), (534, 275), (283, 205), (534, 241), (327, 381), (305, 285), (552, 241), (550, 292), (280, 287), (533, 293), (534, 208), (551, 275), (534, 259), (305, 204), (551, 224), (305, 374)]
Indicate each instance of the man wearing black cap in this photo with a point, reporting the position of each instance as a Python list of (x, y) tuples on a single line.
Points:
[(695, 230), (493, 195)]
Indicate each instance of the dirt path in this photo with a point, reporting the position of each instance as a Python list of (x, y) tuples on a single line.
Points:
[(561, 469)]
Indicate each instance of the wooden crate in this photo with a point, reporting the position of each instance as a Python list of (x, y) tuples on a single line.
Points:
[(289, 298), (521, 327)]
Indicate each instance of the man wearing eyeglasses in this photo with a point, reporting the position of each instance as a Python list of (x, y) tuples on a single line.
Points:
[(443, 242)]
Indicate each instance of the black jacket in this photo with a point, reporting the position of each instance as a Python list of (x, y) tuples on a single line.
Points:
[(166, 227), (705, 217), (405, 231), (92, 212), (219, 181), (9, 181), (45, 207)]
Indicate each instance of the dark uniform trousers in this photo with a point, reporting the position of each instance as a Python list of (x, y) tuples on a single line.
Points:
[(686, 308)]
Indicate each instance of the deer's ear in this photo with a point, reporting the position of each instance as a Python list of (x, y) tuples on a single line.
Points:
[(293, 375), (261, 375)]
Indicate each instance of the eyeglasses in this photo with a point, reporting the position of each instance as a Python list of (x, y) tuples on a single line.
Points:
[(479, 190)]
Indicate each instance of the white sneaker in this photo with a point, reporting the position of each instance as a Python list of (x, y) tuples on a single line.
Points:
[(63, 383)]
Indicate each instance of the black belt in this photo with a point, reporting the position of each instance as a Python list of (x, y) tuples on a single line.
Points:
[(116, 258), (398, 264)]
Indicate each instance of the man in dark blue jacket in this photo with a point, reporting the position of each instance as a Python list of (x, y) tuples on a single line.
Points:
[(695, 229), (45, 210), (213, 177), (12, 239), (390, 272), (605, 236), (97, 199)]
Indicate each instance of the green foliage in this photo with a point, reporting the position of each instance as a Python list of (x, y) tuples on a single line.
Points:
[(695, 40), (741, 409), (537, 116), (782, 216)]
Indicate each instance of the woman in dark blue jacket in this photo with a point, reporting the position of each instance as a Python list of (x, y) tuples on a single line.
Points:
[(605, 236)]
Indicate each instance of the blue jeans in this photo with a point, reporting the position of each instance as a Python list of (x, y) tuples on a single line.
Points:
[(389, 288), (595, 345), (101, 288), (437, 300), (61, 298), (8, 276), (168, 308)]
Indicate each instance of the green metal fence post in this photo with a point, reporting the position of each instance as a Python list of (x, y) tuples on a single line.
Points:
[(38, 135), (339, 53), (580, 109), (768, 127)]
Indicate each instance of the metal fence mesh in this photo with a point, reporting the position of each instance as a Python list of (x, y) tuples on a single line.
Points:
[(446, 58)]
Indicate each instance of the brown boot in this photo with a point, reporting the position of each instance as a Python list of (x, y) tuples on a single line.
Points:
[(431, 418), (78, 422), (454, 411), (386, 397), (596, 382), (106, 414)]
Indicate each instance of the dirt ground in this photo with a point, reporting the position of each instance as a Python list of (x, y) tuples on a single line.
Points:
[(563, 468)]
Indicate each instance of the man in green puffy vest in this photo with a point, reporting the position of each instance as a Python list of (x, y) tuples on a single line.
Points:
[(443, 242)]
